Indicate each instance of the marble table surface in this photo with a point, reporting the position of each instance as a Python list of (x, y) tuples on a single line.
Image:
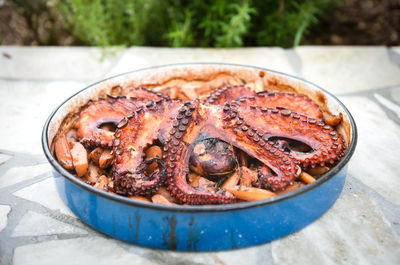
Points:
[(363, 227)]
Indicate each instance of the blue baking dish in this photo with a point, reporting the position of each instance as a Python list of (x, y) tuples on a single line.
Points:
[(196, 228)]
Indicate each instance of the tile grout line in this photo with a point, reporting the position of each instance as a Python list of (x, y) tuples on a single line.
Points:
[(389, 113), (7, 196), (7, 191), (20, 160), (368, 92), (19, 207), (390, 210)]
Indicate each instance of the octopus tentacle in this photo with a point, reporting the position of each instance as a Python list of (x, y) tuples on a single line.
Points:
[(263, 173), (326, 144), (189, 123), (245, 96), (138, 130), (137, 183), (246, 137), (143, 93), (110, 110), (227, 94), (280, 100)]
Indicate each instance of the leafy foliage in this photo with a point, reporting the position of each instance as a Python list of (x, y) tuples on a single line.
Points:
[(104, 23), (289, 21), (178, 23)]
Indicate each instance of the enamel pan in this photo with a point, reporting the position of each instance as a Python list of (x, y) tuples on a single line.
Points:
[(196, 228)]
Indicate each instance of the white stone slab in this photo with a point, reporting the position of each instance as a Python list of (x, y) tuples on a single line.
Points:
[(354, 231), (141, 57), (24, 108), (188, 258), (376, 159), (396, 49), (45, 193), (389, 104), (348, 69), (65, 63), (4, 211), (94, 250), (18, 174), (4, 158), (395, 94), (249, 256), (35, 224)]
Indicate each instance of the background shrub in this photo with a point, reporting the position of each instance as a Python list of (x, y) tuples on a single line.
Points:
[(176, 23)]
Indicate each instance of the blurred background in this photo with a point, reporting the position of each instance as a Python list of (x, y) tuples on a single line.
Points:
[(210, 23)]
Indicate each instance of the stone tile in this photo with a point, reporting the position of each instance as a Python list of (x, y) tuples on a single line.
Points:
[(50, 63), (348, 69), (376, 159), (35, 224), (92, 250), (141, 57), (168, 257), (44, 193), (18, 174), (395, 94), (4, 211), (249, 256), (254, 255), (4, 158), (354, 231), (394, 54), (24, 108), (389, 104), (396, 49)]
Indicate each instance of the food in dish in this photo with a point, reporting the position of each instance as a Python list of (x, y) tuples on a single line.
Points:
[(238, 143)]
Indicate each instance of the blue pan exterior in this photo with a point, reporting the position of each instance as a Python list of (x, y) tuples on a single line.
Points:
[(200, 231), (200, 228)]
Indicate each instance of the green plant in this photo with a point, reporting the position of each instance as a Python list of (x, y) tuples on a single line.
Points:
[(105, 23), (239, 22), (177, 23), (180, 32), (289, 21)]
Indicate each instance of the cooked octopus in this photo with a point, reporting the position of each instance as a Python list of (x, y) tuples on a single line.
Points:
[(273, 136)]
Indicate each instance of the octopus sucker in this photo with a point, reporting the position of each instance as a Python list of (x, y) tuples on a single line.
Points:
[(246, 144)]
